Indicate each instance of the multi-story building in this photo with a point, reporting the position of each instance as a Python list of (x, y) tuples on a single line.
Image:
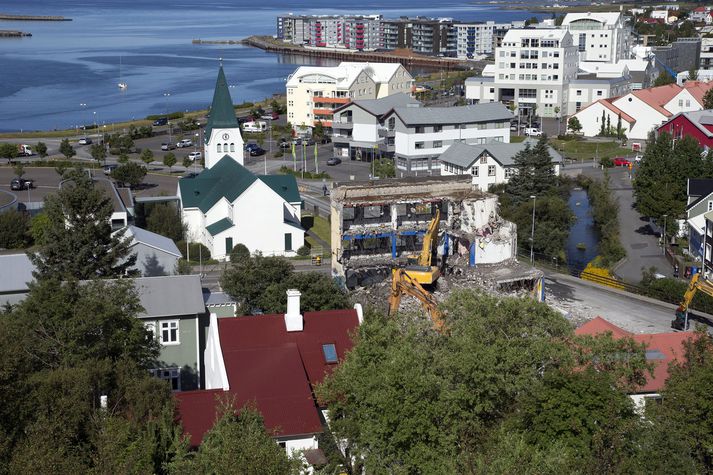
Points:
[(314, 92), (706, 53), (476, 38), (600, 37), (421, 134), (355, 32), (589, 88), (533, 69)]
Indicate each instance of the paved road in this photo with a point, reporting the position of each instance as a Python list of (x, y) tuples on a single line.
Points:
[(641, 245)]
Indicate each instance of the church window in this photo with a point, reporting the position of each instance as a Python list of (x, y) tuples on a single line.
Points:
[(232, 147), (225, 148), (219, 148)]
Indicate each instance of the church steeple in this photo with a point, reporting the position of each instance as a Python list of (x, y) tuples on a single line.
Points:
[(222, 113)]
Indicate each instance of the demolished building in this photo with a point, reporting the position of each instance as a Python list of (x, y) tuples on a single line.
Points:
[(377, 225)]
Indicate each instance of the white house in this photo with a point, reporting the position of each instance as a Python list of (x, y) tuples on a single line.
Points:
[(155, 254), (643, 110), (227, 204), (422, 134), (600, 37), (490, 164)]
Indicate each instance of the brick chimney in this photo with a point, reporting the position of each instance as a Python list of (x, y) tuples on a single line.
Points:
[(293, 318)]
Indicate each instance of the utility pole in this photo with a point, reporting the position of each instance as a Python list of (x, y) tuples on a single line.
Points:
[(532, 233)]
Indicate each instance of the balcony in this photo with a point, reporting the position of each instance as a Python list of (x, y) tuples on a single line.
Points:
[(325, 123), (343, 124), (331, 100), (327, 112), (384, 132)]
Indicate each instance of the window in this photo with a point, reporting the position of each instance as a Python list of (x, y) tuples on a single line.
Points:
[(680, 103), (491, 170), (599, 93), (474, 171), (710, 206), (420, 129), (169, 374), (151, 326), (330, 353), (688, 103), (392, 123), (169, 332), (288, 241), (232, 147), (484, 159), (437, 143), (228, 245), (579, 92), (219, 148), (439, 128), (419, 145)]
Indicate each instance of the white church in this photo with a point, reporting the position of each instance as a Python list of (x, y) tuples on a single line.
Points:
[(227, 204)]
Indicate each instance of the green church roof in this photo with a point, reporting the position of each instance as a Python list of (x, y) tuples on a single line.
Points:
[(228, 179), (222, 113)]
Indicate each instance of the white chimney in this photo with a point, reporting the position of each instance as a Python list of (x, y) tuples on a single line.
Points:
[(293, 318)]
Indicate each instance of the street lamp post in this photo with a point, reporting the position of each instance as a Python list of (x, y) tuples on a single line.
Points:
[(94, 115), (663, 237), (532, 233), (166, 95)]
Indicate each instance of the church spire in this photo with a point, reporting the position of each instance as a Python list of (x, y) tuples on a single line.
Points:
[(222, 113)]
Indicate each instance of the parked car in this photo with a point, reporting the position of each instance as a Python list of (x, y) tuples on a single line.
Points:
[(270, 116), (533, 132), (110, 168), (85, 141), (621, 162), (160, 121), (638, 157), (334, 161), (193, 156), (326, 139), (308, 142), (167, 146), (257, 151), (250, 146), (21, 184), (184, 143), (297, 141)]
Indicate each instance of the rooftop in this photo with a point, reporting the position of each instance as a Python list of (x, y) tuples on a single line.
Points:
[(606, 18), (15, 273), (170, 295), (408, 189), (344, 74), (156, 241), (465, 155), (515, 35), (379, 107), (485, 112), (222, 112)]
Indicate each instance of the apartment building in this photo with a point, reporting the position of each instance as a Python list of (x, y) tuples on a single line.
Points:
[(429, 36), (474, 39), (354, 32), (421, 134), (600, 37), (533, 69), (313, 93), (706, 60), (588, 88)]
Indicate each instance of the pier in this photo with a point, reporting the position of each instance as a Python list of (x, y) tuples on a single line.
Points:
[(406, 58), (13, 34), (10, 17)]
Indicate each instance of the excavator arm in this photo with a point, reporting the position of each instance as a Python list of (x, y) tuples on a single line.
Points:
[(696, 284), (403, 284), (424, 259), (420, 268)]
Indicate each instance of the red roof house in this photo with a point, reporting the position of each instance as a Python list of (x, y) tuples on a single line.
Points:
[(273, 361), (661, 349), (696, 124)]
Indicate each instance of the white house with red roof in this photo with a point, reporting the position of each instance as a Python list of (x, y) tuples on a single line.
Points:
[(274, 361), (643, 110), (701, 15), (661, 349)]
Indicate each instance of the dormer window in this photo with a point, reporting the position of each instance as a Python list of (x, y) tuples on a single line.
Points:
[(329, 350)]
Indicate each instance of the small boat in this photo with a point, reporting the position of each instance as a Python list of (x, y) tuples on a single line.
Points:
[(122, 85)]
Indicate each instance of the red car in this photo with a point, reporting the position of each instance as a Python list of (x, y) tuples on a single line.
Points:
[(621, 162)]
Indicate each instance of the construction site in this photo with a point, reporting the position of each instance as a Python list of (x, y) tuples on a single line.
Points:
[(421, 236)]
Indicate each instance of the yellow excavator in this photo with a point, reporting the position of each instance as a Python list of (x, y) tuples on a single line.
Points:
[(419, 266), (696, 283), (403, 284)]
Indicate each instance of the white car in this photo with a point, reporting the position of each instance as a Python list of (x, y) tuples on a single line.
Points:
[(638, 157), (533, 132), (85, 141), (193, 156), (184, 143)]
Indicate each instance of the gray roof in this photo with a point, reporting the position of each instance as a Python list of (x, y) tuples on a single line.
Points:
[(485, 112), (479, 79), (217, 298), (464, 155), (150, 239), (171, 295), (15, 272), (381, 106), (593, 79)]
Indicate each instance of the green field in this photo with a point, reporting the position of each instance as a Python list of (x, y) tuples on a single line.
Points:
[(319, 226), (581, 150)]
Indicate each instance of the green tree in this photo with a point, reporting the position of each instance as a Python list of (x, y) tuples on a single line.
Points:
[(38, 228), (693, 75), (708, 99), (247, 279), (165, 219), (98, 152), (608, 125), (574, 125), (147, 156), (19, 170), (41, 149), (8, 150), (319, 292), (66, 149), (123, 158), (619, 129), (238, 444), (239, 252), (187, 162), (384, 168), (663, 79), (535, 172), (78, 242), (169, 160), (14, 230), (318, 131), (603, 126), (130, 173)]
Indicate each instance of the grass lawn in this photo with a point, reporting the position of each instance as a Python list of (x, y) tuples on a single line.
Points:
[(580, 149), (319, 226)]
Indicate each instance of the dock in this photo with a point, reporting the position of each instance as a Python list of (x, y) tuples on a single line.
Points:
[(406, 58), (13, 34), (11, 17)]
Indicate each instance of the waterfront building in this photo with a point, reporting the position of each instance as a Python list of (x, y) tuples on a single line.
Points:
[(353, 32), (473, 39), (600, 37)]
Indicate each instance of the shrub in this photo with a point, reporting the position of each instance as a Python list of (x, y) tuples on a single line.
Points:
[(606, 162), (303, 251), (195, 250)]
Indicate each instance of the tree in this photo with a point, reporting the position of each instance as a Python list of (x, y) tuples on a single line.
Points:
[(79, 243), (532, 21), (41, 149), (19, 170), (98, 152), (66, 149), (239, 252), (603, 126), (535, 173), (693, 75), (384, 168), (129, 173), (318, 290), (187, 162), (608, 125), (619, 129), (165, 219), (574, 125), (147, 156), (8, 150), (663, 79), (38, 228), (238, 444), (123, 158), (708, 99), (14, 230), (169, 160), (318, 131)]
